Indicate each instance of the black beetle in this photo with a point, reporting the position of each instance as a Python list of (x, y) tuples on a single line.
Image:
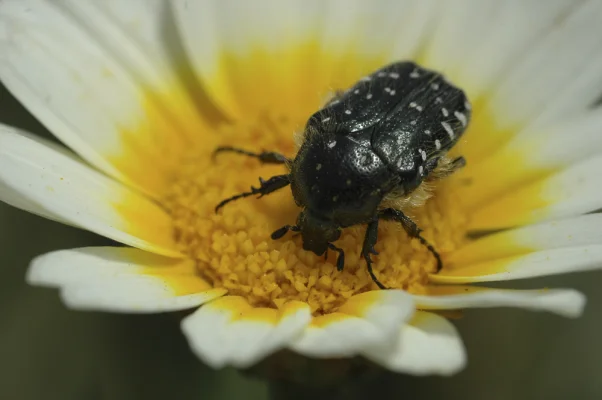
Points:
[(365, 156)]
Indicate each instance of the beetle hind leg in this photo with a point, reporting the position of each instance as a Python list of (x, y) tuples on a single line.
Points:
[(411, 229), (443, 167)]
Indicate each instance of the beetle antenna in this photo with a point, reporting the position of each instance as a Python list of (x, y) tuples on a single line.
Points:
[(265, 157)]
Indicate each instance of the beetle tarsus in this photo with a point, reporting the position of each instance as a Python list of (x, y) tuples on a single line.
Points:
[(265, 157), (266, 187)]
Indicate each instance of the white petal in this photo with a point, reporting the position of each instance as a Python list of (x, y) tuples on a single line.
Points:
[(563, 142), (211, 29), (300, 45), (474, 45), (121, 279), (82, 72), (570, 192), (549, 79), (560, 75), (230, 332), (529, 265), (534, 153), (571, 232), (64, 187), (15, 199), (429, 344), (394, 28), (564, 302), (365, 320)]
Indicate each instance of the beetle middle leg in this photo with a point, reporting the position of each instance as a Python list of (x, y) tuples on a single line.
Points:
[(266, 187), (411, 229), (265, 157)]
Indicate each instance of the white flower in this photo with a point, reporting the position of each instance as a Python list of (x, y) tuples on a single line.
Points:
[(143, 90)]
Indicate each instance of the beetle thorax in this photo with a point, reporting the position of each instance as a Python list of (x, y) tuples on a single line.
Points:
[(339, 178)]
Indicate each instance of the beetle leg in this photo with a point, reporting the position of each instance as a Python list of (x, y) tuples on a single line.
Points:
[(278, 233), (265, 157), (368, 249), (412, 230), (340, 258), (458, 163), (266, 187)]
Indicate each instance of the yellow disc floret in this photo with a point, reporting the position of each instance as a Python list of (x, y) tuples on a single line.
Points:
[(233, 248)]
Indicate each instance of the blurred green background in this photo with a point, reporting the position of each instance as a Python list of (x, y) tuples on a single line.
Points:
[(47, 351)]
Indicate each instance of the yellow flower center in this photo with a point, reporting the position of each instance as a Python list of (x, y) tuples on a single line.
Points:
[(233, 248)]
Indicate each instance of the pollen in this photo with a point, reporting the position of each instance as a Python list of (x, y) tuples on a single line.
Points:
[(233, 249)]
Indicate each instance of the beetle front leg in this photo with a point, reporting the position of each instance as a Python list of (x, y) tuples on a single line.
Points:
[(368, 249), (411, 229), (266, 187), (278, 233), (340, 258)]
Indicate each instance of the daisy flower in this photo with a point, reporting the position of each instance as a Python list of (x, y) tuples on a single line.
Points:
[(142, 91)]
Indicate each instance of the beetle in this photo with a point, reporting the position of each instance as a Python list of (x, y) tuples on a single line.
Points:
[(367, 155)]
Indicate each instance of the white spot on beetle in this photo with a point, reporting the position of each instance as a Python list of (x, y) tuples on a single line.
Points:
[(332, 103), (461, 117), (448, 129), (368, 96), (438, 144), (435, 86), (413, 122), (419, 108), (420, 170), (331, 144), (413, 105), (356, 91), (381, 74), (326, 119), (394, 75), (387, 89), (423, 155), (445, 112), (438, 100), (348, 112), (318, 167), (392, 92), (427, 131), (414, 74), (467, 105), (366, 79)]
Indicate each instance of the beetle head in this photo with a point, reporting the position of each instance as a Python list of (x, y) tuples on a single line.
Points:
[(317, 232)]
